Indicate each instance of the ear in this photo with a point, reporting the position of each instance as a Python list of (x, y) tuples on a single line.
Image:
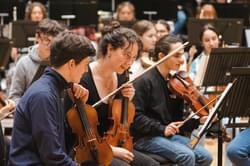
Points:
[(160, 55), (71, 63)]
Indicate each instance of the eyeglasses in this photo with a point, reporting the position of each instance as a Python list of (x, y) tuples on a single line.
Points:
[(128, 56), (46, 39)]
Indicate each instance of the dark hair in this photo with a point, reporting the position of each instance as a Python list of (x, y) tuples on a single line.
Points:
[(164, 44), (49, 27), (164, 23), (69, 45), (142, 26), (208, 27), (30, 8), (117, 36)]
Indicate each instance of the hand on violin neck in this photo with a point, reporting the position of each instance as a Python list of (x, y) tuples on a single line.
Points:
[(123, 154), (80, 92), (172, 128), (128, 91)]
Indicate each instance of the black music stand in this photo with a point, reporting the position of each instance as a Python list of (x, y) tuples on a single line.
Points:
[(231, 30), (5, 50), (240, 94), (23, 33), (219, 72)]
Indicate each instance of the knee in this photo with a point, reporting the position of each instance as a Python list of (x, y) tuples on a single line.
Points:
[(232, 152), (186, 158), (208, 159)]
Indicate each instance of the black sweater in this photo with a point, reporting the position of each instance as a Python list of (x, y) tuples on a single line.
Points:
[(156, 107)]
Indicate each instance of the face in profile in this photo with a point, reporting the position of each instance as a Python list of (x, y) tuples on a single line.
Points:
[(122, 58), (36, 14), (44, 42), (176, 60), (149, 39), (209, 40)]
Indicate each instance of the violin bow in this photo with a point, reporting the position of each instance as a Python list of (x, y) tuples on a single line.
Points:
[(143, 72), (211, 116), (195, 113)]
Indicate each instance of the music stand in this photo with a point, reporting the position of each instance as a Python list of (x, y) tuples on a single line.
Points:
[(231, 30), (85, 11), (23, 33), (5, 50), (219, 72), (220, 65), (240, 94)]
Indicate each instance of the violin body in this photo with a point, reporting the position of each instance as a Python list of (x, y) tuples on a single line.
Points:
[(91, 147), (182, 85), (119, 134)]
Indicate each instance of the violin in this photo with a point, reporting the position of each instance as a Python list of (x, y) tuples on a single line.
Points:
[(91, 147), (122, 115), (182, 85)]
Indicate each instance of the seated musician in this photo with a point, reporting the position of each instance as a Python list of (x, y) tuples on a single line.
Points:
[(29, 68), (118, 49), (159, 113), (39, 132), (209, 39), (238, 150)]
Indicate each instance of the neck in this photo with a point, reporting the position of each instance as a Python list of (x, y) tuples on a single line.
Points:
[(163, 70), (103, 68), (63, 73)]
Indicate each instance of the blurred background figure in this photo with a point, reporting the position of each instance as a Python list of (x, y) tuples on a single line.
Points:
[(125, 12), (207, 11), (162, 28), (36, 11), (146, 31)]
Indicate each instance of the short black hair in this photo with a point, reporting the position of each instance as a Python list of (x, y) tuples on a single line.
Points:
[(69, 45), (49, 27)]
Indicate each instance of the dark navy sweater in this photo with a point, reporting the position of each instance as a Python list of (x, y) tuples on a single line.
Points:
[(39, 133)]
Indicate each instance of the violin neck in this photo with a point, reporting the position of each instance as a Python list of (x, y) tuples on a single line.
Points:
[(124, 115), (83, 117)]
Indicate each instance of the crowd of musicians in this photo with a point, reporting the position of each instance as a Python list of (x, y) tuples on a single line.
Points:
[(75, 104)]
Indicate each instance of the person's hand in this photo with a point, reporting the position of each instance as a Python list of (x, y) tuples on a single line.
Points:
[(128, 91), (172, 128), (203, 119), (10, 105), (192, 51), (123, 154), (80, 92)]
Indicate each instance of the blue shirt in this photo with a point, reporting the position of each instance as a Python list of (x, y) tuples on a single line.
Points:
[(38, 136)]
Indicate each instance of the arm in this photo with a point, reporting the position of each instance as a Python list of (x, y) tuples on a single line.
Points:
[(47, 128), (18, 83)]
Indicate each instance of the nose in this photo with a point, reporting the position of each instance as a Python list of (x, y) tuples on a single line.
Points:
[(181, 59)]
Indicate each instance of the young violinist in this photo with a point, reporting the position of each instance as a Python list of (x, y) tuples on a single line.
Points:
[(118, 49), (159, 113), (40, 129)]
